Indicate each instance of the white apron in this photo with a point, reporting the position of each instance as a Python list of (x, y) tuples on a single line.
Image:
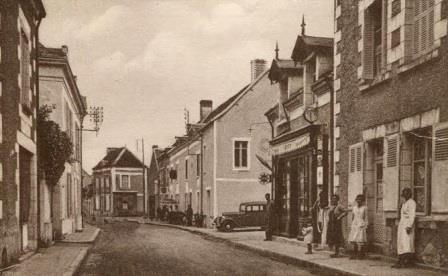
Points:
[(405, 241), (359, 225)]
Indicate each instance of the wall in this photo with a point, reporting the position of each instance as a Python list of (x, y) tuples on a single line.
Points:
[(244, 120), (405, 94)]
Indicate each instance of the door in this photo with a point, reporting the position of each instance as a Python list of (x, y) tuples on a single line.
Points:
[(25, 194), (304, 191)]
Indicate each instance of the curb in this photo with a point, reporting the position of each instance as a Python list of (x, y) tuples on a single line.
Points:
[(265, 253), (89, 241), (76, 264)]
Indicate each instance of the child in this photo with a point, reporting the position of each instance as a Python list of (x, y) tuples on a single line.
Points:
[(308, 239), (358, 235), (334, 233)]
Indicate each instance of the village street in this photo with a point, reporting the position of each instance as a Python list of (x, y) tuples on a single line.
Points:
[(125, 248)]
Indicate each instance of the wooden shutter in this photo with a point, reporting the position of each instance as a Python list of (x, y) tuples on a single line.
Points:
[(368, 51), (439, 200), (391, 165), (423, 36), (355, 175)]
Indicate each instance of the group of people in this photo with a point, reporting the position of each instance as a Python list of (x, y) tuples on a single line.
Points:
[(170, 215), (330, 227)]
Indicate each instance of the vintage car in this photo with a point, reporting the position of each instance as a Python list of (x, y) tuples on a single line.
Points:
[(251, 214)]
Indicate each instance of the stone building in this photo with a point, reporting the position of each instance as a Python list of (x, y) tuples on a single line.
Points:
[(19, 38), (391, 126), (61, 211), (214, 167), (120, 184), (301, 120)]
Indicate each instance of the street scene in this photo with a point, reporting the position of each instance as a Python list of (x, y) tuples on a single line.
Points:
[(224, 137)]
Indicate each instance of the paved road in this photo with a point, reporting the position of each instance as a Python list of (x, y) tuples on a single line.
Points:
[(125, 248)]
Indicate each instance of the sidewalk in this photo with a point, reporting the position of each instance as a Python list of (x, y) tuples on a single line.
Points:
[(64, 258), (292, 252)]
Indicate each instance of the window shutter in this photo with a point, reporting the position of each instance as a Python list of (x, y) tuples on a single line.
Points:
[(368, 51), (355, 175), (423, 37), (391, 163), (440, 168)]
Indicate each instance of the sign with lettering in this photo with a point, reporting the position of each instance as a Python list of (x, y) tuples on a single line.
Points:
[(291, 145)]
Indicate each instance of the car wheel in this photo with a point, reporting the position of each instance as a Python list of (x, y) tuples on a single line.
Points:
[(228, 226)]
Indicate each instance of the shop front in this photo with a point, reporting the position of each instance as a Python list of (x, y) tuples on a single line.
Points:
[(298, 178)]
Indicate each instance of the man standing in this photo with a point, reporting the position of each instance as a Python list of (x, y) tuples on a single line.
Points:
[(189, 215), (406, 231), (269, 217)]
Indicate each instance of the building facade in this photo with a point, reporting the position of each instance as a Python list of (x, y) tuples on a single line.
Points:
[(19, 25), (119, 184), (391, 126), (301, 120), (215, 167), (61, 210)]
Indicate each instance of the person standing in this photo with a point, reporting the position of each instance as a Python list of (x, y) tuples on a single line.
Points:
[(322, 209), (189, 215), (358, 236), (406, 231), (269, 217), (334, 234)]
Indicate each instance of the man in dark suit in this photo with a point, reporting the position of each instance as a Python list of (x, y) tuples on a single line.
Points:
[(269, 217)]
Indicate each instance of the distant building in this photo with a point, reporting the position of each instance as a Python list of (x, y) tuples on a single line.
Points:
[(391, 127), (215, 167), (119, 184), (87, 195), (61, 212), (301, 127), (20, 21)]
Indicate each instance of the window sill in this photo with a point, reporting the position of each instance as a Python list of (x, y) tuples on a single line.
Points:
[(241, 169), (365, 84)]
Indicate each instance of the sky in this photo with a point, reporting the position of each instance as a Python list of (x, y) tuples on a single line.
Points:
[(146, 61)]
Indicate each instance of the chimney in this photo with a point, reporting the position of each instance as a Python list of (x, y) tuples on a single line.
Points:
[(257, 67), (64, 49), (111, 149), (155, 146), (205, 107)]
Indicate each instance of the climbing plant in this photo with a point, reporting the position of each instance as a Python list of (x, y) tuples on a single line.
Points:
[(54, 147)]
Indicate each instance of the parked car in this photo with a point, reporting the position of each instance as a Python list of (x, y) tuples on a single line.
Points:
[(251, 214)]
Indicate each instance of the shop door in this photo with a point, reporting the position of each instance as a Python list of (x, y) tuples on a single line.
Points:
[(294, 196), (304, 191), (375, 196)]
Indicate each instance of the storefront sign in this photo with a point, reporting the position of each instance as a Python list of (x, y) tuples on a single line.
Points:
[(291, 145)]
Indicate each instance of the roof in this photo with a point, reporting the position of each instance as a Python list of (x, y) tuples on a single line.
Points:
[(119, 157), (223, 106), (59, 57), (307, 44), (280, 66)]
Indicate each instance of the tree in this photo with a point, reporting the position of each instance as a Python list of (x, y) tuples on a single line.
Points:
[(54, 149)]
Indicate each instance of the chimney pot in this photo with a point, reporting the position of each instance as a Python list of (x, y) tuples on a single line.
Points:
[(64, 49)]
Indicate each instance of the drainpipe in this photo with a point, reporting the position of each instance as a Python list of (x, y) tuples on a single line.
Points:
[(37, 108), (202, 175)]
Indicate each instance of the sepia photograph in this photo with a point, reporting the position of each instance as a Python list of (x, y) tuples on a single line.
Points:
[(223, 137)]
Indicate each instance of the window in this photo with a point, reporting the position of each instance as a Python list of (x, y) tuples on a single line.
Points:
[(69, 195), (396, 7), (68, 121), (423, 37), (125, 182), (198, 164), (373, 40), (25, 98), (240, 155), (186, 168), (117, 180), (421, 170), (395, 38)]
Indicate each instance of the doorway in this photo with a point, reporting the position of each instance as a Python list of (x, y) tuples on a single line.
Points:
[(25, 158)]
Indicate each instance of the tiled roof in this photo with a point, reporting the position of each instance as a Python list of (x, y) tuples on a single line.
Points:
[(307, 44), (119, 157)]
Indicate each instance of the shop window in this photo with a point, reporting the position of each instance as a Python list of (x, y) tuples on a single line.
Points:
[(421, 170), (241, 154), (125, 182)]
